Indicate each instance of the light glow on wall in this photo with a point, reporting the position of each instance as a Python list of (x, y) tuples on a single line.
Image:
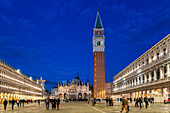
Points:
[(20, 89), (20, 82)]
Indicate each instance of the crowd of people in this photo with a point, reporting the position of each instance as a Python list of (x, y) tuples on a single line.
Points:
[(109, 101), (19, 102), (54, 102), (138, 102)]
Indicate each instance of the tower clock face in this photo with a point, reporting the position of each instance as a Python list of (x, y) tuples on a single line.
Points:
[(98, 32)]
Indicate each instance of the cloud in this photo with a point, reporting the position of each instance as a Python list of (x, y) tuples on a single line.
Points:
[(6, 3), (6, 20), (26, 23), (53, 8), (86, 13)]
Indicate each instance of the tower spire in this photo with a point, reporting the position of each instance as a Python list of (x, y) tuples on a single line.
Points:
[(98, 23)]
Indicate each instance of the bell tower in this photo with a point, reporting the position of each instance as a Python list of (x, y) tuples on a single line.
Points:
[(98, 59)]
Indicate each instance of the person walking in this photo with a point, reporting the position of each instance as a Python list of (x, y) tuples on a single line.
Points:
[(109, 101), (5, 104), (18, 102), (140, 102), (47, 103), (112, 101), (130, 99), (58, 103), (152, 100), (53, 104), (88, 101), (136, 103), (124, 105), (106, 101), (146, 101), (128, 104), (23, 102), (13, 102), (38, 102)]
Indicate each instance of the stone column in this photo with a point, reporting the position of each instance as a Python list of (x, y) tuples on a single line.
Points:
[(168, 70), (132, 83), (135, 81), (138, 94), (135, 94), (154, 74), (141, 79), (150, 77), (138, 80), (145, 78), (161, 72)]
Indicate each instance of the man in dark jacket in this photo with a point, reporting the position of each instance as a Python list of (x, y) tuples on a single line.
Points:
[(58, 103), (13, 102), (106, 101), (140, 102), (5, 104), (130, 99), (146, 101)]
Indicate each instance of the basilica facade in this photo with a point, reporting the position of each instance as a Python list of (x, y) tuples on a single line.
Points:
[(74, 90)]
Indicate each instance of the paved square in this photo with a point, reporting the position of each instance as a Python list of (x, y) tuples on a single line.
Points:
[(83, 107)]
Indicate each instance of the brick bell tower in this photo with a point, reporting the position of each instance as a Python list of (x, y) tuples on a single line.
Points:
[(98, 59)]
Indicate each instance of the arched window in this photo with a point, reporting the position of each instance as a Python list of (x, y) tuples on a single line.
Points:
[(143, 79), (164, 50), (165, 71), (147, 77), (158, 74), (152, 75), (157, 56), (147, 61)]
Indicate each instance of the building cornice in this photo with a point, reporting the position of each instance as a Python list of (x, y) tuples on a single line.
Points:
[(168, 36), (15, 71)]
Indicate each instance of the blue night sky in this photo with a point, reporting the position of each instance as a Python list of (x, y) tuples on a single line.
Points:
[(53, 38)]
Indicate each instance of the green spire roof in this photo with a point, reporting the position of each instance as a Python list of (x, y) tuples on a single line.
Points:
[(98, 23)]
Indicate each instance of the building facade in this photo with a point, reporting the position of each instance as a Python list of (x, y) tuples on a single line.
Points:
[(15, 85), (109, 89), (98, 59), (148, 75), (54, 92), (74, 90)]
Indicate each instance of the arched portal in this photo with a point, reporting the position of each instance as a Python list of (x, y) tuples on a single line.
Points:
[(79, 96), (85, 95), (60, 95), (65, 95)]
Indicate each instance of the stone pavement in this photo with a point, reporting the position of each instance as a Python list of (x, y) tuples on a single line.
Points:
[(82, 107)]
